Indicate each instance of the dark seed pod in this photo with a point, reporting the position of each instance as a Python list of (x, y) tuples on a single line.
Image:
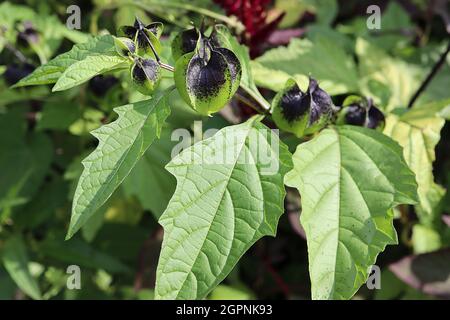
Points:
[(124, 46), (101, 84), (301, 112), (376, 119), (359, 111), (142, 35), (146, 74), (356, 115), (29, 35), (15, 72), (208, 77), (184, 42)]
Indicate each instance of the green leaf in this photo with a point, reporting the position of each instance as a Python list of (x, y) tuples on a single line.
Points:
[(247, 83), (51, 71), (76, 251), (121, 144), (219, 208), (149, 181), (418, 132), (323, 59), (349, 178), (24, 160), (88, 68), (58, 116), (391, 82), (15, 261)]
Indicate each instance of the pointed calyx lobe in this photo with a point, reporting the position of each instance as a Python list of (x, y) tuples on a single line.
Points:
[(302, 112), (143, 36), (206, 75)]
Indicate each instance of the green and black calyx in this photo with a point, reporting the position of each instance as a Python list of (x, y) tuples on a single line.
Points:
[(302, 112), (206, 74), (361, 111), (145, 37)]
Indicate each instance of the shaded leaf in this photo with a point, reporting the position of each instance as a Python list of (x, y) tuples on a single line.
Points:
[(149, 181), (15, 260), (429, 272)]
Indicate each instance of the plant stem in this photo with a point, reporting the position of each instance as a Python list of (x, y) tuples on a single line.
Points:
[(261, 109), (185, 6), (437, 66)]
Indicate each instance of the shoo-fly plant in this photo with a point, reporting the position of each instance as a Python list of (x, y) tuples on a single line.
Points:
[(350, 175)]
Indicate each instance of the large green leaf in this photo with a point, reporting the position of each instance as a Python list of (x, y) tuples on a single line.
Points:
[(418, 132), (121, 144), (219, 208), (349, 178), (51, 71), (15, 261), (323, 59), (88, 68)]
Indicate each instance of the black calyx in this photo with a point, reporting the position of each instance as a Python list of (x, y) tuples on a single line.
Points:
[(321, 102), (295, 103), (189, 40), (233, 63), (145, 69), (28, 36), (356, 115), (205, 77), (15, 72), (100, 85), (375, 118)]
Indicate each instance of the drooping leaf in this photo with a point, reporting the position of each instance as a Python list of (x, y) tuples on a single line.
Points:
[(88, 68), (228, 196), (121, 144), (349, 178), (322, 58), (15, 260), (427, 272), (51, 71), (418, 132)]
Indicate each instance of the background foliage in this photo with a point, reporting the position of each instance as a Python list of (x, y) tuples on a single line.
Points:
[(44, 137)]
